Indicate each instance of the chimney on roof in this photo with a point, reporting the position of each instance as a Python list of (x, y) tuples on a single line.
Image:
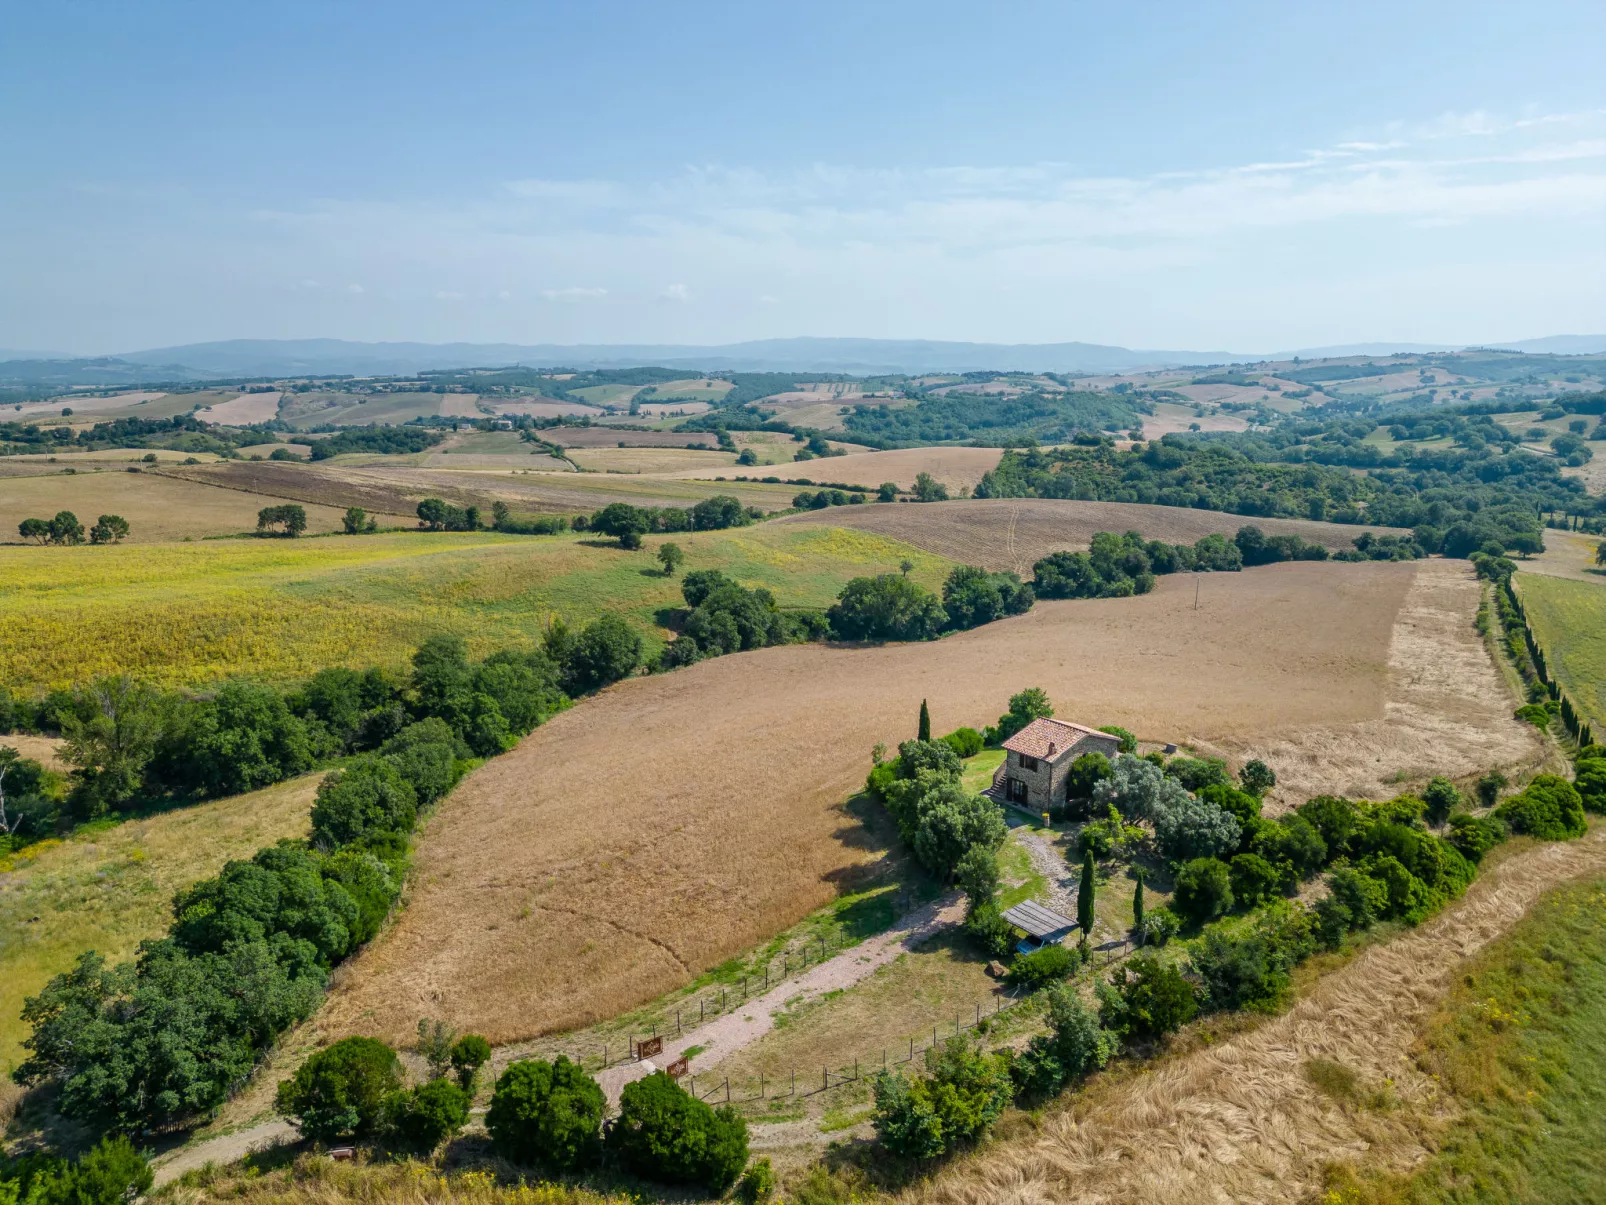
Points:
[(1051, 748)]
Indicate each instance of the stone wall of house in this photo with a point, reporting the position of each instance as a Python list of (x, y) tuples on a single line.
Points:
[(1046, 784)]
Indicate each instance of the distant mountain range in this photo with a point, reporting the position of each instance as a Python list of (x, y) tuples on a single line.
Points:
[(860, 357)]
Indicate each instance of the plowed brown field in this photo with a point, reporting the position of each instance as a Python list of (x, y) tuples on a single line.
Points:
[(673, 821), (1013, 533)]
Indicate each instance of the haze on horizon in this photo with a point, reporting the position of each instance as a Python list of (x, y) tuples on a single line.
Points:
[(1238, 176)]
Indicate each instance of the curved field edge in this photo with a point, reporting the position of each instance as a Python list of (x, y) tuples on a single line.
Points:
[(674, 822), (1242, 1120)]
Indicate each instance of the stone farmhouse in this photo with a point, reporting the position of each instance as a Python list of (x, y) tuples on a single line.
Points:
[(1037, 762)]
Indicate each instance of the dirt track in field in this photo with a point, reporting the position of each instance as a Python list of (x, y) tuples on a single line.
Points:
[(673, 821), (1014, 533), (1240, 1121)]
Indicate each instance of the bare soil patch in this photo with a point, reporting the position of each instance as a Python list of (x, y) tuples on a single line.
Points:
[(1240, 1121), (1014, 533), (653, 460), (79, 405), (674, 821), (241, 411), (954, 467)]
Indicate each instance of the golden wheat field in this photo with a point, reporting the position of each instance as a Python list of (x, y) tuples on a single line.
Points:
[(1014, 533), (954, 467), (191, 614), (674, 821)]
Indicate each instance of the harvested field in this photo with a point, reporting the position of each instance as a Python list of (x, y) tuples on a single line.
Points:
[(244, 410), (1014, 533), (612, 437), (395, 485), (563, 882), (78, 405), (660, 409), (1169, 417), (1447, 710), (157, 506), (652, 460), (110, 890), (547, 409), (43, 749), (1240, 1120), (529, 462), (954, 467), (1567, 554)]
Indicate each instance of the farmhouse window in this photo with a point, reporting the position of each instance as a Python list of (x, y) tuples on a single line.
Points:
[(1027, 763), (1017, 791)]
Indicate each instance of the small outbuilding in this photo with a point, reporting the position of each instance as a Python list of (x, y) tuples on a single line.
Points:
[(1042, 926), (1037, 762)]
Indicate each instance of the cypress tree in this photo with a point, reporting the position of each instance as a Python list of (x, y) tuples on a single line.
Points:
[(925, 722), (1137, 904), (1084, 896)]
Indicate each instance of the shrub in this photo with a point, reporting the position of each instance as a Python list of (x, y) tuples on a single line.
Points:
[(469, 1053), (1474, 836), (1129, 742), (1590, 783), (1203, 890), (1441, 799), (1146, 999), (340, 1091), (1160, 926), (1335, 818), (1051, 964), (1139, 789), (1075, 1046), (548, 1114), (664, 1134), (1241, 972), (987, 926), (966, 1092), (965, 742), (1196, 773), (1549, 808), (419, 1119), (1254, 880), (757, 1184), (1185, 827), (1489, 788), (111, 1173), (368, 797), (1085, 773), (1257, 778), (1024, 707), (607, 650)]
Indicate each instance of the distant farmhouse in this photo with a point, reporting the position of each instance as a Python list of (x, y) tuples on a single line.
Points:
[(1038, 761)]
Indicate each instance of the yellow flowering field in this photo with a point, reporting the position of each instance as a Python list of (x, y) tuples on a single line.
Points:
[(190, 614)]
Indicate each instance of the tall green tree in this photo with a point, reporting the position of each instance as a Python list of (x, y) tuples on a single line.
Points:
[(925, 722), (1137, 904), (110, 749), (671, 558), (1085, 896)]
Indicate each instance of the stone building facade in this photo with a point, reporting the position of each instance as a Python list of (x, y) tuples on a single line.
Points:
[(1037, 762)]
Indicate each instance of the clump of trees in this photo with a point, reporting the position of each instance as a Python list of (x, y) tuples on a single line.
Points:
[(628, 524), (110, 1173), (939, 820), (289, 517), (892, 607), (65, 528), (726, 617), (966, 1089)]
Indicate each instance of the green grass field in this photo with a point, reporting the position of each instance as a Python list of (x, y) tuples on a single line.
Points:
[(192, 614), (109, 887), (1520, 1045), (1569, 619)]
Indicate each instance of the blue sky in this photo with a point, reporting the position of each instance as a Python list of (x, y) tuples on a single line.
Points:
[(1247, 177)]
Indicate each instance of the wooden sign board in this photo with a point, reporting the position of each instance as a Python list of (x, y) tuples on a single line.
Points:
[(679, 1067), (648, 1047)]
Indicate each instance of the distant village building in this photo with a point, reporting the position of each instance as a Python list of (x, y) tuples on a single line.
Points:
[(1037, 762)]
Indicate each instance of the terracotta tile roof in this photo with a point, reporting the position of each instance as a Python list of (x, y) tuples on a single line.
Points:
[(1047, 739)]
